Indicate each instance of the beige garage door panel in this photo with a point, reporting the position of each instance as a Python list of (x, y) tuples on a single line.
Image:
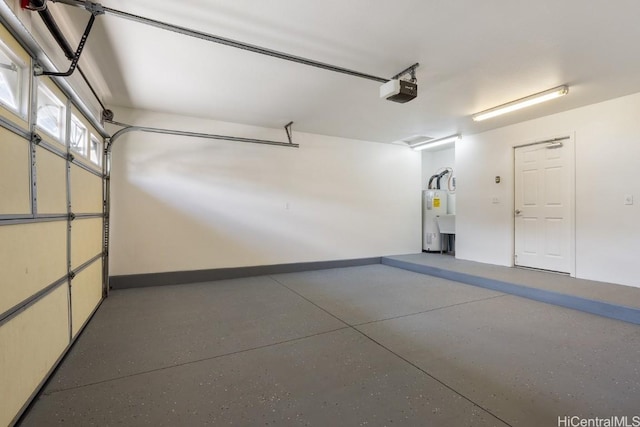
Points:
[(86, 293), (51, 179), (15, 197), (86, 240), (32, 256), (31, 344), (86, 191)]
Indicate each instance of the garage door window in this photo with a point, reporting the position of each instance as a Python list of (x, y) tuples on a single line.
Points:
[(95, 150), (78, 136), (51, 113), (11, 72)]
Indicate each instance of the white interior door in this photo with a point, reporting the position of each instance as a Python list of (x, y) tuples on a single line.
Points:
[(544, 188)]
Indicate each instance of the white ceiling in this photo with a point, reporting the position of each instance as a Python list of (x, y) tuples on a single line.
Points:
[(473, 54)]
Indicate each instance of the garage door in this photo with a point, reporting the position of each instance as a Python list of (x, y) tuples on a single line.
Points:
[(51, 227)]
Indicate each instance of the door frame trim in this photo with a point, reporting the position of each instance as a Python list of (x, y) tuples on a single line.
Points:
[(570, 138)]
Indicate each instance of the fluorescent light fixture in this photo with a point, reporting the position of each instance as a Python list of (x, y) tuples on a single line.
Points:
[(435, 142), (521, 103)]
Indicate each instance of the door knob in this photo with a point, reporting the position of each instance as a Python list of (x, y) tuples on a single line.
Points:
[(518, 211)]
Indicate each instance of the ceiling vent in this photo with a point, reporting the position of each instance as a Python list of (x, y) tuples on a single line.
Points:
[(416, 139)]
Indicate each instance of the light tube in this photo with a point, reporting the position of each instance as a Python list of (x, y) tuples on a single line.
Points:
[(521, 103), (435, 142)]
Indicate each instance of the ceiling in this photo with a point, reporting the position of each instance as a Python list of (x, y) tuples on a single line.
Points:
[(474, 55)]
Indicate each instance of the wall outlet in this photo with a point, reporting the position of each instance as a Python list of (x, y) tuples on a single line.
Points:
[(628, 199), (495, 200)]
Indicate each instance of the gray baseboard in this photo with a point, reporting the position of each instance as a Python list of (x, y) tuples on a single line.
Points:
[(196, 276), (600, 308)]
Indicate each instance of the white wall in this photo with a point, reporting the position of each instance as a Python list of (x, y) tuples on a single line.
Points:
[(607, 146), (436, 161), (185, 204)]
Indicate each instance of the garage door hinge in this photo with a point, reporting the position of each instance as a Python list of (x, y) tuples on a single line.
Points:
[(70, 157), (71, 275), (35, 138), (72, 216)]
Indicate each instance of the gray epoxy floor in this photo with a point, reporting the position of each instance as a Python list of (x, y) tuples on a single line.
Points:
[(372, 345), (608, 292)]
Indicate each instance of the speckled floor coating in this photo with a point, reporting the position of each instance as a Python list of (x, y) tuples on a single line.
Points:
[(372, 345), (600, 291)]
